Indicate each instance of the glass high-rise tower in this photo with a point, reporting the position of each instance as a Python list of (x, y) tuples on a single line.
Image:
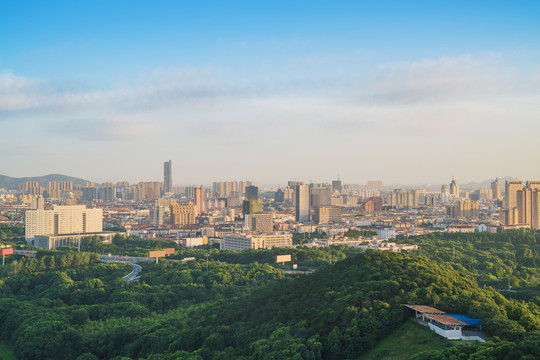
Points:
[(167, 176)]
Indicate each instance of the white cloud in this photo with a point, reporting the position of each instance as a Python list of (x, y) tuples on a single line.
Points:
[(375, 115), (447, 80), (18, 92), (111, 129)]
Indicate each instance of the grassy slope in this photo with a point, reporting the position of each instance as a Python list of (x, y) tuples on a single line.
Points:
[(408, 340), (6, 353)]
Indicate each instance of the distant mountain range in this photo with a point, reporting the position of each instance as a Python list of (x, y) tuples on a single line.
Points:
[(486, 184), (7, 182), (473, 185)]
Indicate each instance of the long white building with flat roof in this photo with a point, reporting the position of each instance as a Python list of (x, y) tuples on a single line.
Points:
[(72, 219), (248, 241)]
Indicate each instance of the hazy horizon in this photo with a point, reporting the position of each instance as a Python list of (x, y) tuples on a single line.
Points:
[(208, 182), (403, 92)]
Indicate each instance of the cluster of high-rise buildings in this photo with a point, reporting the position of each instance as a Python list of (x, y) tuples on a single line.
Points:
[(521, 204), (241, 214)]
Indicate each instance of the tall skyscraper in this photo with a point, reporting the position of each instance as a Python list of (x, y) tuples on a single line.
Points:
[(336, 185), (535, 218), (252, 207), (454, 188), (524, 205), (302, 203), (496, 189), (528, 205), (535, 185), (167, 177), (320, 196), (198, 195), (252, 193), (510, 196)]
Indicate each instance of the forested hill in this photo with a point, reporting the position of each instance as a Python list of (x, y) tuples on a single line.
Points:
[(508, 258), (12, 183), (345, 309), (183, 311)]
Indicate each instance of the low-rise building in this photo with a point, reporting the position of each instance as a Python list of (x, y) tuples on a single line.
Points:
[(58, 240), (193, 241), (252, 241)]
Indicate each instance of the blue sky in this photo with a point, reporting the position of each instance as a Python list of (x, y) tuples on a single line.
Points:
[(108, 90)]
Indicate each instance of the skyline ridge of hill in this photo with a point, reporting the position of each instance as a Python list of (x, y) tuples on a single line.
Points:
[(9, 182)]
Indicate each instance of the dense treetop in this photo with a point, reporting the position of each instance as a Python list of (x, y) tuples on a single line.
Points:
[(244, 307)]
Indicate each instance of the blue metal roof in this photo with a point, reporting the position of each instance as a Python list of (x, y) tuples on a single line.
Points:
[(465, 319)]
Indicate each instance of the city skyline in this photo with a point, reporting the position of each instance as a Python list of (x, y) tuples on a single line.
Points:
[(409, 93), (469, 183)]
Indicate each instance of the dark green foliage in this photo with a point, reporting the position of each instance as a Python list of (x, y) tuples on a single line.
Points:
[(246, 309), (501, 350), (122, 245), (500, 259), (305, 237), (10, 232), (305, 257), (357, 233)]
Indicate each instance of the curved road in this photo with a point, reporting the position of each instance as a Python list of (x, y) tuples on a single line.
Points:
[(132, 276)]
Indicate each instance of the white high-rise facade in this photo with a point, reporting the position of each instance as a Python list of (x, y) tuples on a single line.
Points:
[(63, 220)]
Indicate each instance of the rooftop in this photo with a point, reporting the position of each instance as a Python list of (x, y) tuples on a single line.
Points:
[(446, 320), (425, 309)]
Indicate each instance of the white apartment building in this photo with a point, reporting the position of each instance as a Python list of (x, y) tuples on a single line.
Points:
[(387, 233), (63, 220), (244, 241)]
